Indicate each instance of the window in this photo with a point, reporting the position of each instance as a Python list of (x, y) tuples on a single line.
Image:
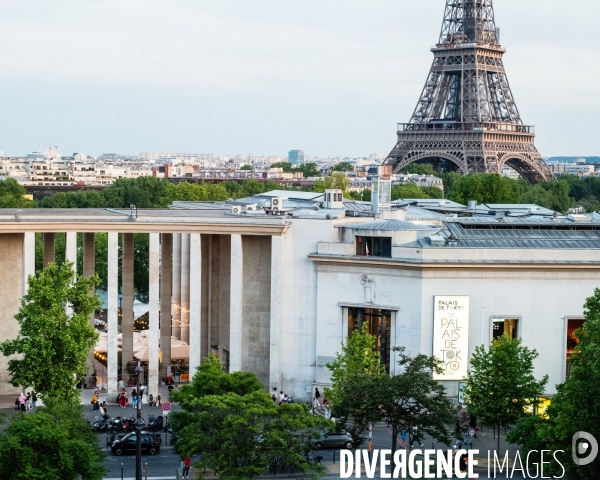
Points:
[(374, 246), (572, 326), (379, 322), (505, 326)]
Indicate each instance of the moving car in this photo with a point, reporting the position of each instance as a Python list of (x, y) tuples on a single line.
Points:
[(334, 440), (128, 443)]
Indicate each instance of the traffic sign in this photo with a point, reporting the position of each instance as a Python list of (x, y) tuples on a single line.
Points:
[(471, 432), (166, 406)]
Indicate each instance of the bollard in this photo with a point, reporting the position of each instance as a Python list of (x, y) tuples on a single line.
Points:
[(334, 456), (121, 471), (146, 470)]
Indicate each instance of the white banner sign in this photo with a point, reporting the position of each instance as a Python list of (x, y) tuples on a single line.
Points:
[(451, 336)]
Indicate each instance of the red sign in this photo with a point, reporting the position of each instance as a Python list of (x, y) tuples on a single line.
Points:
[(166, 406)]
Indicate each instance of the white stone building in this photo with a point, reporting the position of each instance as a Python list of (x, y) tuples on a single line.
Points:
[(275, 283)]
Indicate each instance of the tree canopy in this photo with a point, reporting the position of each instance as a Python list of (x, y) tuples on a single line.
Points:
[(501, 383), (574, 408), (12, 195), (237, 429), (53, 344), (336, 180), (362, 392), (51, 444), (343, 167)]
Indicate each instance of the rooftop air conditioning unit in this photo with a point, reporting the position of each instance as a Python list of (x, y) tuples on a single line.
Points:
[(334, 199), (236, 210), (252, 207), (277, 204)]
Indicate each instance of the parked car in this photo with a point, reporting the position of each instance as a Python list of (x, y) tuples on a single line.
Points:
[(334, 440), (128, 443)]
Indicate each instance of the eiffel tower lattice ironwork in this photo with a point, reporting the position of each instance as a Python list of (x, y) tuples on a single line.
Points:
[(467, 118)]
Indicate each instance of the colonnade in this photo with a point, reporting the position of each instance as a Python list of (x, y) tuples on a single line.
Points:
[(178, 283)]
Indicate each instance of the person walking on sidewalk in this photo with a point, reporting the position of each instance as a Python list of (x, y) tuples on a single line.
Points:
[(134, 398), (185, 473), (33, 399), (317, 397)]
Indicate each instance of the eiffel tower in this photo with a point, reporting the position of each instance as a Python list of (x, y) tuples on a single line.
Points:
[(467, 119)]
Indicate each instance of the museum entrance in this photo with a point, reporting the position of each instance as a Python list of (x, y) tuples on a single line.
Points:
[(379, 325)]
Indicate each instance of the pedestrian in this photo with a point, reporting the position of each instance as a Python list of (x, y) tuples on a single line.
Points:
[(415, 437), (134, 398), (150, 401), (403, 436), (317, 396), (28, 401), (33, 399), (22, 400), (274, 398), (95, 401), (158, 402), (141, 395), (186, 467)]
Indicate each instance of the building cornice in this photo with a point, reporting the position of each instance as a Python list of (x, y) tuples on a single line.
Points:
[(417, 264)]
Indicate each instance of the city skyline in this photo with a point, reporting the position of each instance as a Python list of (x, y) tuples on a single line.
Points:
[(329, 78)]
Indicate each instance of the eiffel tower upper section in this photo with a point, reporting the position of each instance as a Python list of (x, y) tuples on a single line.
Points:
[(467, 118)]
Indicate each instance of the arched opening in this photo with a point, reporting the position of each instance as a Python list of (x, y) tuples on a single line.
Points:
[(440, 164), (525, 168)]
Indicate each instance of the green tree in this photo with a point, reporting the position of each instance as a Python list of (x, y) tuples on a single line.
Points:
[(501, 383), (352, 374), (53, 345), (143, 192), (433, 192), (364, 196), (343, 167), (247, 167), (51, 444), (287, 167), (309, 169), (237, 429), (12, 195), (336, 180), (575, 407), (419, 169), (412, 398), (485, 188), (58, 200), (408, 190)]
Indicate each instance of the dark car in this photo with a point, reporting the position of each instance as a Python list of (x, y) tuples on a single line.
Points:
[(334, 440), (128, 443)]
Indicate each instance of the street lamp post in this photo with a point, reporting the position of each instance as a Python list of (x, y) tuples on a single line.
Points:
[(139, 425)]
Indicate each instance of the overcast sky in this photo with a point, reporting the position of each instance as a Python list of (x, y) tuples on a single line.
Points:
[(330, 77)]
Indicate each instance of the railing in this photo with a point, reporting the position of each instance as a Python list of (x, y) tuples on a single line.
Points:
[(442, 126)]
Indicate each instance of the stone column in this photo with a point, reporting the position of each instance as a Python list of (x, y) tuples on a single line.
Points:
[(154, 293), (185, 287), (113, 314), (49, 253), (127, 300), (195, 330), (235, 304), (166, 279), (275, 321), (176, 295), (71, 256), (28, 259), (89, 268)]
